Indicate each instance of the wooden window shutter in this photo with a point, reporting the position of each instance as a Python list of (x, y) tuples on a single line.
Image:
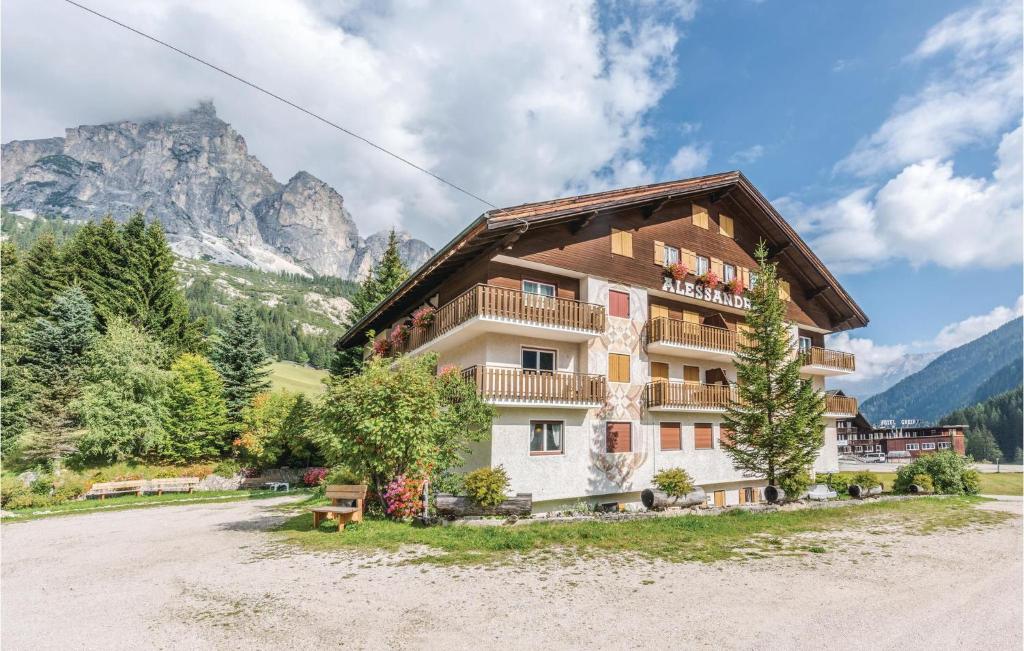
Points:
[(725, 225), (659, 312), (659, 253), (618, 367), (659, 371), (743, 495), (671, 436), (616, 241), (700, 215), (702, 435), (691, 317), (689, 258), (691, 374), (719, 498), (718, 267), (619, 437), (618, 304), (784, 292), (622, 243)]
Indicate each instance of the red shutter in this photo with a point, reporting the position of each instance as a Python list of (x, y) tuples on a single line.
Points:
[(671, 436), (702, 436), (620, 437), (618, 304)]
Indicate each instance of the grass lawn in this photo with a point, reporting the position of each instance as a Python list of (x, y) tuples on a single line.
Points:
[(138, 502), (297, 378), (1003, 483), (738, 534)]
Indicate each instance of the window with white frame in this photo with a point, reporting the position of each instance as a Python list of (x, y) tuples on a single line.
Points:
[(805, 344), (728, 272), (671, 255), (928, 446), (944, 445), (703, 264), (546, 437), (538, 288), (878, 447), (859, 448), (753, 278), (538, 360), (912, 446)]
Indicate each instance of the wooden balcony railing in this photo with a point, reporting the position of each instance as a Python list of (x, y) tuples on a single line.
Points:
[(517, 385), (841, 405), (684, 333), (689, 395), (511, 304), (837, 359)]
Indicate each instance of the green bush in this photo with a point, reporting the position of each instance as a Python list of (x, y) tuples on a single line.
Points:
[(949, 472), (487, 486), (11, 488), (795, 484), (227, 468), (674, 482), (342, 475), (865, 479), (29, 500), (42, 485), (924, 481), (70, 486), (838, 483), (448, 482)]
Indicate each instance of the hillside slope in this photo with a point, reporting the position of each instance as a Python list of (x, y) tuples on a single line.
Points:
[(1003, 415), (954, 379)]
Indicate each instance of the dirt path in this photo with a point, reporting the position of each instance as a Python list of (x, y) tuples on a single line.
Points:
[(208, 576)]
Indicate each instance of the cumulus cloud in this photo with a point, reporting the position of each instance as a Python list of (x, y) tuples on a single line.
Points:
[(873, 360), (747, 156), (961, 332), (516, 101), (689, 160)]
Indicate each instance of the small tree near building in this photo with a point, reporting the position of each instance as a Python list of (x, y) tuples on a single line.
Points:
[(777, 419), (242, 361)]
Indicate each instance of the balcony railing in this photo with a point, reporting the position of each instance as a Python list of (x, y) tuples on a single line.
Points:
[(840, 405), (689, 395), (508, 304), (685, 333), (836, 359), (504, 384)]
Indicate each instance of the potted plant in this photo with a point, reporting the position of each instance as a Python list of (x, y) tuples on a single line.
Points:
[(735, 286), (423, 318), (399, 336), (677, 270), (381, 347), (708, 279)]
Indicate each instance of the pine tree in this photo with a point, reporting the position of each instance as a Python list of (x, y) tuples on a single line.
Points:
[(14, 395), (385, 276), (777, 420), (96, 259), (195, 413), (241, 360), (35, 279), (54, 360)]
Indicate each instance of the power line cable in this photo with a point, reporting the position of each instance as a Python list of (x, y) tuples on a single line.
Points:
[(285, 101)]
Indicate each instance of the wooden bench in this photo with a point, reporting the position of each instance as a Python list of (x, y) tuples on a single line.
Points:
[(173, 485), (103, 489), (343, 514)]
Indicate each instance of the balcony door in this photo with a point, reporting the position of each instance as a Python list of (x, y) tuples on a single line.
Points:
[(538, 300)]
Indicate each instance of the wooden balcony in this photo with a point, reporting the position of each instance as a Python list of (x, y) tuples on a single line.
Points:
[(822, 361), (514, 312), (687, 396), (514, 386), (841, 406), (669, 336)]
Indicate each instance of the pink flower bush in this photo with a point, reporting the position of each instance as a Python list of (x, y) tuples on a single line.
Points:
[(677, 270), (710, 279), (423, 317), (381, 347), (448, 369), (399, 335), (735, 286), (314, 476), (403, 497)]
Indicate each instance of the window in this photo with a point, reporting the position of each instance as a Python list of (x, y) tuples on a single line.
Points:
[(928, 446), (541, 289), (725, 225), (546, 437), (538, 360), (805, 344), (659, 371), (700, 215), (691, 374), (878, 447), (619, 437), (728, 272), (671, 255), (753, 278), (912, 446), (858, 448), (671, 436), (618, 304), (622, 243), (702, 436), (944, 445), (618, 367), (702, 265)]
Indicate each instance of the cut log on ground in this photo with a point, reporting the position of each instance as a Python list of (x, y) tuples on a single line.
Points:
[(656, 500), (859, 492), (916, 490), (774, 494), (457, 506)]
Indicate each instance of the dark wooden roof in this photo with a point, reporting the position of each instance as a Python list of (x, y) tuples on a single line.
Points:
[(497, 228)]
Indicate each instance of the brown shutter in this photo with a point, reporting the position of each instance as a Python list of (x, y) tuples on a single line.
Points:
[(689, 258), (718, 267), (743, 495), (700, 215), (618, 367), (671, 436), (725, 225), (659, 371), (659, 312), (719, 498), (702, 435), (619, 437), (622, 242), (618, 304), (691, 317), (691, 374), (659, 253), (784, 292)]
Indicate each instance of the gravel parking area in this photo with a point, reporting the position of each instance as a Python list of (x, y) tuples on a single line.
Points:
[(210, 576)]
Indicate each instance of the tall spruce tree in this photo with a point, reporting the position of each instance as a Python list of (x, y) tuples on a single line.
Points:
[(14, 394), (385, 276), (777, 419), (96, 259), (33, 281), (241, 360)]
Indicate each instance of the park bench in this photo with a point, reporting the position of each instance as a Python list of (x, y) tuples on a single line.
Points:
[(173, 485), (105, 488), (338, 493)]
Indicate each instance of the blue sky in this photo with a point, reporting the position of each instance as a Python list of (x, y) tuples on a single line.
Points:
[(888, 133)]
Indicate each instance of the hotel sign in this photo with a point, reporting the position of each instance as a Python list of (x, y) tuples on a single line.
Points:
[(703, 293)]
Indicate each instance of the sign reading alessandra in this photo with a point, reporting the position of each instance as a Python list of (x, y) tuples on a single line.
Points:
[(705, 293)]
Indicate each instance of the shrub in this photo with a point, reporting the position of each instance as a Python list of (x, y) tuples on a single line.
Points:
[(70, 486), (448, 482), (924, 481), (487, 486), (342, 475), (402, 497), (29, 500), (865, 480), (11, 488), (838, 483), (795, 484), (949, 472), (227, 468), (314, 476), (42, 485), (674, 482)]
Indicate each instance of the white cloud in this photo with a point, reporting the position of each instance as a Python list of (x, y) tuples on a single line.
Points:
[(970, 101), (873, 359), (961, 332), (515, 101), (689, 160), (747, 156)]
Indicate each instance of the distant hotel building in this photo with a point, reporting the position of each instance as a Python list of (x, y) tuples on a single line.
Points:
[(604, 368), (858, 436)]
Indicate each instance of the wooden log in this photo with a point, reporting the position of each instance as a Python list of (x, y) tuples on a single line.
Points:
[(656, 500), (916, 490), (859, 492), (774, 494), (455, 506)]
